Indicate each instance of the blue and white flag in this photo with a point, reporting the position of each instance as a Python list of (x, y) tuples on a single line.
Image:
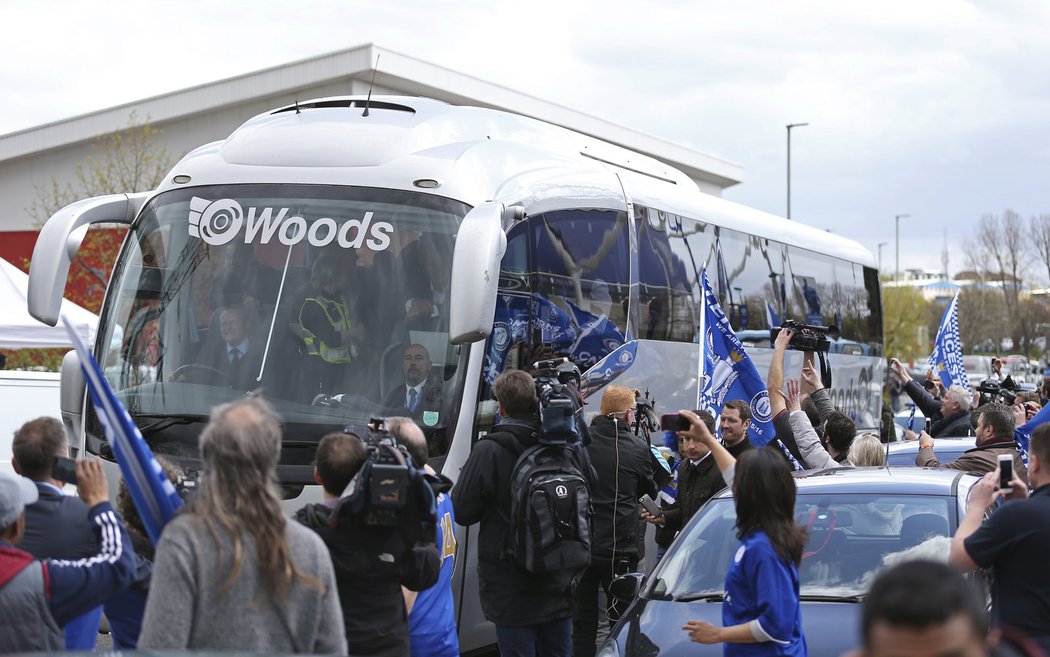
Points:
[(1023, 433), (152, 492), (946, 358), (728, 372), (772, 320)]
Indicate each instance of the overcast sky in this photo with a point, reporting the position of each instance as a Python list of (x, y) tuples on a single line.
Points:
[(934, 108)]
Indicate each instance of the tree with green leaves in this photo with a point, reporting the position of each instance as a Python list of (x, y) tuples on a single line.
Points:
[(906, 329)]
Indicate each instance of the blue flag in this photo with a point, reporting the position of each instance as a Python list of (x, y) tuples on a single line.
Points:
[(772, 320), (729, 373), (946, 358), (1024, 432), (154, 495)]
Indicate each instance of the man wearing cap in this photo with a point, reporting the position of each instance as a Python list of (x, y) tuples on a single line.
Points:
[(623, 463), (38, 597)]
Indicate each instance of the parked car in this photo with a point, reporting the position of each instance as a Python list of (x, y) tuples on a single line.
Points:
[(947, 450), (860, 520)]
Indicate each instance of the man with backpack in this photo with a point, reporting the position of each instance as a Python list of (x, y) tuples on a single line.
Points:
[(625, 473), (526, 583)]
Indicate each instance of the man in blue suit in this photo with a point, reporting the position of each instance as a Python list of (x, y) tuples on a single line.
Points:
[(57, 525)]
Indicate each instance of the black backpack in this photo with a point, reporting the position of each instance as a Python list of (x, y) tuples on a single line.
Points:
[(550, 513)]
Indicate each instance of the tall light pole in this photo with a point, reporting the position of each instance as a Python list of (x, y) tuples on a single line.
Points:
[(789, 127), (897, 219), (881, 244)]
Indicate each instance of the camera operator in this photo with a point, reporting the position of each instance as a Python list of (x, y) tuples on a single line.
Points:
[(371, 562), (532, 612), (995, 436), (950, 417)]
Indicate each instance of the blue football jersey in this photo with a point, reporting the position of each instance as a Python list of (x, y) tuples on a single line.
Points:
[(432, 622)]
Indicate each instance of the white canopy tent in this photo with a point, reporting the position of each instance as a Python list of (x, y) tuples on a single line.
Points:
[(18, 330)]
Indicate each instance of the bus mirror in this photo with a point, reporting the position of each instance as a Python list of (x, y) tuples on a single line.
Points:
[(475, 273), (58, 243), (71, 399)]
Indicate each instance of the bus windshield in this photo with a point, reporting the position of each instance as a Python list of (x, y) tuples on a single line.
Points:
[(332, 301)]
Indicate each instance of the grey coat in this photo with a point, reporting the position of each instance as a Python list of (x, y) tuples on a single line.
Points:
[(185, 609)]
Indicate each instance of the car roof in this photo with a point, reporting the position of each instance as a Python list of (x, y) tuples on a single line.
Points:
[(962, 443), (892, 479)]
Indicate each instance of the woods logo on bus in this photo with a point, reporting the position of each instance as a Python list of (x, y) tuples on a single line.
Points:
[(220, 222)]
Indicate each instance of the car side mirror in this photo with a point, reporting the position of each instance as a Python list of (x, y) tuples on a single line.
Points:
[(626, 587)]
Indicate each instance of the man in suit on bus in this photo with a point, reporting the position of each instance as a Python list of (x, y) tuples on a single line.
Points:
[(421, 390), (235, 358)]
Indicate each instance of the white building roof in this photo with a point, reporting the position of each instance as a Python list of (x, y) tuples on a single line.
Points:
[(396, 71)]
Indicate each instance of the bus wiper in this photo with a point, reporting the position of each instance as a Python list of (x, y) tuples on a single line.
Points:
[(855, 597), (694, 597), (162, 422), (276, 308)]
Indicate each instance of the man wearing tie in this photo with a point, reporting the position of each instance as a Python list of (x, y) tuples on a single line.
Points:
[(235, 360), (420, 393)]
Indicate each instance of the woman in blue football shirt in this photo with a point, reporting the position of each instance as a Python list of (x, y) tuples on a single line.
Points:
[(761, 612)]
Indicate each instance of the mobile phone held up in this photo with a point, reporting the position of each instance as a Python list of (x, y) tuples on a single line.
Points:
[(674, 422), (1006, 473), (65, 470), (651, 506)]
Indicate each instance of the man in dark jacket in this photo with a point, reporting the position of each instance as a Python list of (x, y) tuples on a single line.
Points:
[(532, 614), (371, 563), (38, 597), (950, 416), (623, 464), (698, 480), (57, 525), (995, 436)]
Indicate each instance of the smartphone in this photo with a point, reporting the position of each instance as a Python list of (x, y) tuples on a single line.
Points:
[(929, 426), (1006, 473), (64, 470), (674, 422), (652, 507)]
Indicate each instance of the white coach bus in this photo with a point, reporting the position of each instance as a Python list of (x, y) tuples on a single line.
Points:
[(470, 239)]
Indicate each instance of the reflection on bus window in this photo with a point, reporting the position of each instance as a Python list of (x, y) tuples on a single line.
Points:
[(323, 326)]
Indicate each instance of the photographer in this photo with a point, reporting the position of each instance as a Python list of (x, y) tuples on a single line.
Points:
[(950, 417), (995, 436), (371, 562)]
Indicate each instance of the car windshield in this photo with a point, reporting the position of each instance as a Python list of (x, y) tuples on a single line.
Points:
[(851, 538), (331, 300)]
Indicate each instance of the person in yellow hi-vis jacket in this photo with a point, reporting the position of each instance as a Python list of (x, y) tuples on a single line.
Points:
[(329, 333)]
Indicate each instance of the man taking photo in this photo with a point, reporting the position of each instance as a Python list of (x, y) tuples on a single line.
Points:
[(1013, 542)]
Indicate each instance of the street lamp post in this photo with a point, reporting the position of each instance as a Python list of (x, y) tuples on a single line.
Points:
[(881, 244), (789, 127), (897, 219)]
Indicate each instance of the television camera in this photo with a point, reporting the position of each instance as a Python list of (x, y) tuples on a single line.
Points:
[(561, 406), (993, 392), (807, 337), (388, 490)]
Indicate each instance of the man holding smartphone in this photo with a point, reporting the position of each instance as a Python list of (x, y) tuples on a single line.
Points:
[(995, 438), (1013, 542), (57, 525)]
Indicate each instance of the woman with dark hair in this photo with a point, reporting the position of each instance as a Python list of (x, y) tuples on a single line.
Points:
[(231, 572), (761, 604)]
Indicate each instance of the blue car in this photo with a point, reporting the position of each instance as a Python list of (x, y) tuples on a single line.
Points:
[(860, 520)]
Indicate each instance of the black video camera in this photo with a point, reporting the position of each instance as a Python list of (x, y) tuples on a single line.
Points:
[(561, 407), (807, 337), (381, 489), (993, 392)]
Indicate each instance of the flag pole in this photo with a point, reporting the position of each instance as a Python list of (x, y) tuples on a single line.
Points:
[(700, 358)]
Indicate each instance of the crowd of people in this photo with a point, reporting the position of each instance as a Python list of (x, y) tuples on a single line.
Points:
[(232, 571)]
